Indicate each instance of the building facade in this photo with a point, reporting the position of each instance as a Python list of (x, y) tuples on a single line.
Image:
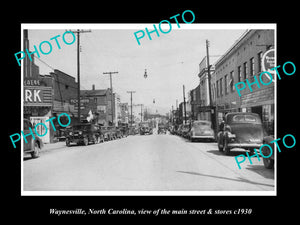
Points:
[(195, 102), (204, 107), (37, 96), (46, 96), (242, 62), (98, 102)]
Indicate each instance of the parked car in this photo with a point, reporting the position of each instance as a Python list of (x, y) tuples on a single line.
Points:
[(84, 133), (162, 130), (268, 162), (107, 132), (185, 130), (240, 130), (124, 129), (201, 130), (145, 129), (33, 146), (179, 130)]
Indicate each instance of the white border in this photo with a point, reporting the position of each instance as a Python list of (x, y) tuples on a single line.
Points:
[(205, 26)]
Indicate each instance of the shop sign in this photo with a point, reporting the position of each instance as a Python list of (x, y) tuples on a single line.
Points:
[(83, 101), (31, 82), (268, 61), (37, 96)]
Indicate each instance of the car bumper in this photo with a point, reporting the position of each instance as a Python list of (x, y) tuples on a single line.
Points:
[(75, 140), (203, 137), (244, 145)]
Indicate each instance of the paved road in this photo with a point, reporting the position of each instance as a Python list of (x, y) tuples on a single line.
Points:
[(144, 163)]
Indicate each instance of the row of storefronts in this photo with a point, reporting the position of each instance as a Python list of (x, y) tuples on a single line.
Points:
[(242, 61), (47, 96)]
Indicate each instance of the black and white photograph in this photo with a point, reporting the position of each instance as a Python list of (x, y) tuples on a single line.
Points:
[(149, 109), (138, 110)]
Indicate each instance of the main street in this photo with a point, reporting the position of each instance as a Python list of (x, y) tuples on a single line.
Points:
[(144, 163)]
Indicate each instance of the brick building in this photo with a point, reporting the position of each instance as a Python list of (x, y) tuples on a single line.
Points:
[(46, 96), (98, 101), (194, 99), (244, 61)]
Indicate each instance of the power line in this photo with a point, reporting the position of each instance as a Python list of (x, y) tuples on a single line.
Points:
[(45, 63)]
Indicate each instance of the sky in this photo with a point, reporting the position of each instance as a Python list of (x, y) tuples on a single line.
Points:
[(172, 59)]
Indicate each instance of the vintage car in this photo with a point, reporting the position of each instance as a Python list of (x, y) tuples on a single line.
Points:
[(33, 145), (240, 130), (145, 129), (112, 132), (124, 129), (185, 130), (201, 130), (268, 161), (161, 130), (84, 133), (179, 130)]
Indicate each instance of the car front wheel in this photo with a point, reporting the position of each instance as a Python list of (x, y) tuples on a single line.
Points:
[(220, 147), (85, 141), (36, 151), (268, 163), (226, 149)]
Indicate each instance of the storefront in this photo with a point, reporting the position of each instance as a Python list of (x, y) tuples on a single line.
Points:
[(37, 105), (262, 103)]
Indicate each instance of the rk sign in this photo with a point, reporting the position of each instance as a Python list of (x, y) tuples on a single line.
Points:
[(32, 95), (37, 96)]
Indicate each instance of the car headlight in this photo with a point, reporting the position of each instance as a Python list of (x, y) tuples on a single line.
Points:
[(231, 136), (70, 133), (80, 132)]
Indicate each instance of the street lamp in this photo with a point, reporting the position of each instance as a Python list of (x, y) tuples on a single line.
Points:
[(145, 74)]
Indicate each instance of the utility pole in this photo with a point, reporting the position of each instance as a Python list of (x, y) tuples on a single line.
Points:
[(112, 96), (184, 107), (141, 110), (78, 67), (209, 86), (131, 105)]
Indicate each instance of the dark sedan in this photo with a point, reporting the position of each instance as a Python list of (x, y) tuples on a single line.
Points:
[(240, 130), (31, 145)]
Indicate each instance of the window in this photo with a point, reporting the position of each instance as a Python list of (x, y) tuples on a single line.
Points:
[(231, 81), (239, 74), (221, 91), (218, 90), (259, 58), (245, 70), (214, 92), (252, 67), (225, 84)]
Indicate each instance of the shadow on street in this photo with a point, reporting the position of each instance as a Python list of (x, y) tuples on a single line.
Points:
[(225, 178)]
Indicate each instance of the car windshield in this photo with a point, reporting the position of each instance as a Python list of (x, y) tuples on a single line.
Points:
[(200, 124), (245, 119)]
